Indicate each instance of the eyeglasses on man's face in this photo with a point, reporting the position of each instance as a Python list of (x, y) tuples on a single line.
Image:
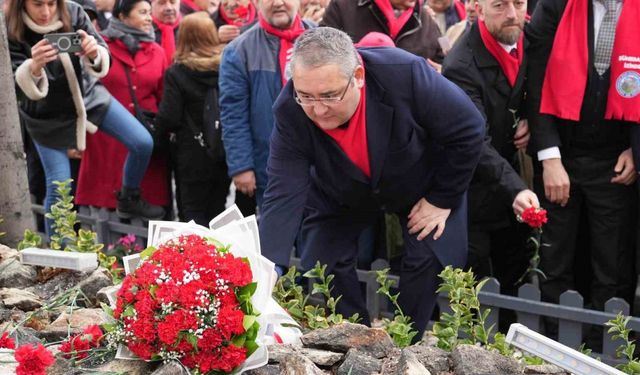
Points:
[(308, 101)]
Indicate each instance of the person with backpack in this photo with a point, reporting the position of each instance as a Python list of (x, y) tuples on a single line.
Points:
[(189, 108)]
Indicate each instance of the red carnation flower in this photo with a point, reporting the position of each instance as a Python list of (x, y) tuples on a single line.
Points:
[(76, 347), (7, 342), (230, 322), (94, 334), (534, 217), (33, 360), (231, 357)]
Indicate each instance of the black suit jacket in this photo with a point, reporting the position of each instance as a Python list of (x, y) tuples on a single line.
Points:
[(424, 138), (495, 182), (591, 135)]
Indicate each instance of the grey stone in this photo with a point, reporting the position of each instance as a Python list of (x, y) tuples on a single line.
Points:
[(390, 362), (340, 338), (72, 323), (171, 368), (6, 252), (58, 284), (545, 369), (103, 293), (97, 280), (436, 360), (474, 360), (265, 370), (322, 358), (123, 366), (299, 365), (410, 365), (279, 352), (14, 274), (358, 363), (22, 335), (19, 299), (13, 315)]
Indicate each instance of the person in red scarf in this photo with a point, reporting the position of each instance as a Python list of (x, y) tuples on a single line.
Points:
[(233, 18), (489, 64), (583, 105), (166, 19), (446, 13), (405, 21), (360, 132), (252, 73), (191, 6)]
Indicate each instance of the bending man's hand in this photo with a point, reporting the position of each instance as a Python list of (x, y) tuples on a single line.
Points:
[(425, 217), (625, 170), (525, 199), (245, 182)]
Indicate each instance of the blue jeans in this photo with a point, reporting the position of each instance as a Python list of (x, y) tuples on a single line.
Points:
[(118, 123)]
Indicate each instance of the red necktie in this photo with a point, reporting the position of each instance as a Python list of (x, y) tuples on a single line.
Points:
[(514, 52)]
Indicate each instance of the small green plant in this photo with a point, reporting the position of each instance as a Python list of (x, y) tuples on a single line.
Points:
[(618, 327), (31, 239), (400, 328), (292, 298), (63, 215), (467, 317)]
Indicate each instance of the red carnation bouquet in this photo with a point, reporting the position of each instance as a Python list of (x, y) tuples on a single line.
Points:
[(190, 300)]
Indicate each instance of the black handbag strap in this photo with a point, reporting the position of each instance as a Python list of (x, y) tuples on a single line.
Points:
[(134, 98)]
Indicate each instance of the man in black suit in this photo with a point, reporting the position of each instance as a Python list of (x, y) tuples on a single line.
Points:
[(585, 166), (488, 64), (348, 144)]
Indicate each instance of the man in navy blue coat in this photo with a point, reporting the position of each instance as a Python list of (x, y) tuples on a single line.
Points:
[(362, 131)]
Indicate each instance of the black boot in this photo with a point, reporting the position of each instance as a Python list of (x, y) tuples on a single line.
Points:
[(131, 205)]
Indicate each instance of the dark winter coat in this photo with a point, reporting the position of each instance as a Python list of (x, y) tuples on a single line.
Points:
[(359, 17)]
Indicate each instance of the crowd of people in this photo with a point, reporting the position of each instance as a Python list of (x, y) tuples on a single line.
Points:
[(324, 115)]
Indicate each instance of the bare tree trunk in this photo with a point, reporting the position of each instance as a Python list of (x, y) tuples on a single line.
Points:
[(15, 202)]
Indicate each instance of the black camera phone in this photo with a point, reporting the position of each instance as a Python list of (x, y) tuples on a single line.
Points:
[(65, 42)]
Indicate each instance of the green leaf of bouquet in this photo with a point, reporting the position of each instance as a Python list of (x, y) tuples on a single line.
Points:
[(248, 321), (108, 327), (248, 290), (106, 308), (251, 347), (239, 340), (252, 332), (192, 339), (144, 254), (129, 311)]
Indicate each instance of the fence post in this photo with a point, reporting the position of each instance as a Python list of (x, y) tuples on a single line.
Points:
[(532, 293), (570, 332), (102, 225), (614, 306), (492, 286)]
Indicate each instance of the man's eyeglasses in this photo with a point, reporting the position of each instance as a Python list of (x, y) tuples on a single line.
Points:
[(307, 101)]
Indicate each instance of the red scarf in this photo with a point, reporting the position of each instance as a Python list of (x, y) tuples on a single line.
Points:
[(509, 64), (394, 24), (567, 70), (287, 37), (462, 13), (168, 38), (246, 15), (192, 5), (353, 139)]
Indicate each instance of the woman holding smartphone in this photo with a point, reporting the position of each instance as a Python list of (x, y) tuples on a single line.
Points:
[(56, 107)]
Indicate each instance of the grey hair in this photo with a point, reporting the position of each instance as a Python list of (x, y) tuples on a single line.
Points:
[(322, 46)]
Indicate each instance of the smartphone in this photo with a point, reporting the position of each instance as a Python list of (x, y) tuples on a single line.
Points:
[(65, 42)]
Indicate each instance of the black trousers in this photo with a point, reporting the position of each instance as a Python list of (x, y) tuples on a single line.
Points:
[(610, 211), (330, 235)]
